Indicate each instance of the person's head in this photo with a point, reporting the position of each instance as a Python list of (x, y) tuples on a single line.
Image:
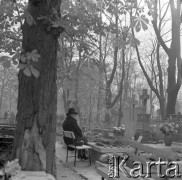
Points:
[(72, 112)]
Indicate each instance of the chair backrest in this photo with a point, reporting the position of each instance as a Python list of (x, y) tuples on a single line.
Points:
[(69, 134)]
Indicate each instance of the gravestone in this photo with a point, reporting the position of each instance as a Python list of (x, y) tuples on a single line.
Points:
[(143, 119), (143, 122), (130, 112), (144, 97), (132, 102)]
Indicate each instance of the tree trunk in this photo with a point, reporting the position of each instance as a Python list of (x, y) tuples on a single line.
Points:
[(108, 105), (109, 82), (34, 143), (99, 102), (162, 103), (10, 103), (174, 53), (171, 101), (120, 112), (1, 97), (66, 100)]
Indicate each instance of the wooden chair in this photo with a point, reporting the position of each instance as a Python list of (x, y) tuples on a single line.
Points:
[(70, 134)]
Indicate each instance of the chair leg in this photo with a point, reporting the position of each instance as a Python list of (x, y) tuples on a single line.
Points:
[(67, 154), (75, 157), (89, 156)]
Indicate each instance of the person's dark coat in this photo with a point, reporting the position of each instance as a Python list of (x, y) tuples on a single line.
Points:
[(70, 124)]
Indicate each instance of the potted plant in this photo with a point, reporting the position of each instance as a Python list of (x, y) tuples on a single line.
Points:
[(168, 129)]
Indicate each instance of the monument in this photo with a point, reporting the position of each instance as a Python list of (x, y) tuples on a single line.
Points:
[(144, 97), (143, 119)]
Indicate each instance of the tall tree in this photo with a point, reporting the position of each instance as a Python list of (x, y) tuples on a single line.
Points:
[(158, 10), (34, 143), (173, 52)]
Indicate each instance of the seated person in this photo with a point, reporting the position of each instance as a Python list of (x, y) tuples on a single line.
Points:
[(70, 124)]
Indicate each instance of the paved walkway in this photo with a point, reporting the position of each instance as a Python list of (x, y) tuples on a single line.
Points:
[(82, 170)]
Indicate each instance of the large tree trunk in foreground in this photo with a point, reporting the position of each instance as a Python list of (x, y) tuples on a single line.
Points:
[(34, 143)]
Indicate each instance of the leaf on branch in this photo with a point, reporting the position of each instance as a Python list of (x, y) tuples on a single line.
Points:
[(144, 22), (138, 26), (27, 72), (34, 56), (23, 58), (22, 66), (29, 18), (134, 41), (140, 22), (144, 26), (58, 23), (34, 71)]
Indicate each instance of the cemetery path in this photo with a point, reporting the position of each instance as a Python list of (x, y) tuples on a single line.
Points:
[(67, 171), (64, 172)]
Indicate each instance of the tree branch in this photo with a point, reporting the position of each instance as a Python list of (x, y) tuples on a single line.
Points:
[(157, 31), (143, 69)]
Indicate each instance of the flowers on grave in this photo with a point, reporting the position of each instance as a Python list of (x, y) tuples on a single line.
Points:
[(12, 168), (169, 128), (119, 131)]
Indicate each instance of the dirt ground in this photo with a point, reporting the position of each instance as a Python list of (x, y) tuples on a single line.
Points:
[(66, 173)]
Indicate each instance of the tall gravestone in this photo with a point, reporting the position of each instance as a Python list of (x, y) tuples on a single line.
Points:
[(143, 119), (130, 119)]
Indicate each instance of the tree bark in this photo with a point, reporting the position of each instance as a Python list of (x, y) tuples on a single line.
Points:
[(1, 97), (120, 112), (99, 104), (110, 80), (34, 143), (66, 100)]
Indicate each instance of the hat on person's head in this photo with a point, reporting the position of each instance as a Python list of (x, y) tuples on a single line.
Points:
[(71, 111)]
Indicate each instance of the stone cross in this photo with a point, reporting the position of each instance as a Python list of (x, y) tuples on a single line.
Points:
[(144, 98), (132, 102)]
